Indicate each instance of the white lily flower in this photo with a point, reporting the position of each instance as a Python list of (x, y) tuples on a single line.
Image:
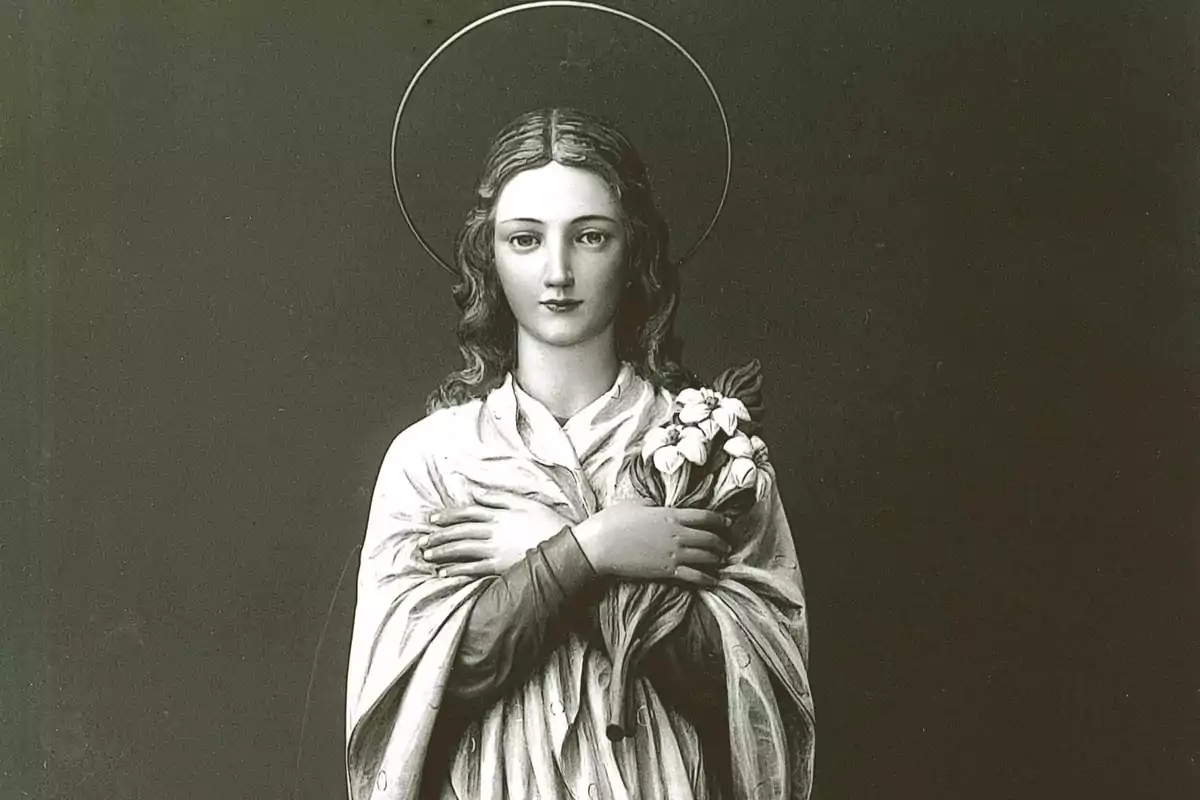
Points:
[(746, 467), (699, 405), (670, 445), (654, 439), (743, 446)]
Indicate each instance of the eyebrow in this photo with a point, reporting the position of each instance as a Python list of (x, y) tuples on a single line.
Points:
[(577, 220)]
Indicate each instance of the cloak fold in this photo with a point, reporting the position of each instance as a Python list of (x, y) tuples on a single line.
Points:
[(546, 738)]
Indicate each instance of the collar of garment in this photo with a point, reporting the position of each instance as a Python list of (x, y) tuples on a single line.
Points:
[(526, 421)]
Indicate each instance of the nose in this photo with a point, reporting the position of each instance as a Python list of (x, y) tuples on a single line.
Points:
[(557, 272)]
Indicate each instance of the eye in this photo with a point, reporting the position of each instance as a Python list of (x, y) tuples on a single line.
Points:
[(523, 241), (593, 238)]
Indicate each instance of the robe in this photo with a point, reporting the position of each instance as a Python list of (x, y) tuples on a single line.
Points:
[(546, 737)]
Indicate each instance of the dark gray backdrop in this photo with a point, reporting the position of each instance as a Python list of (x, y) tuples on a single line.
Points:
[(961, 238)]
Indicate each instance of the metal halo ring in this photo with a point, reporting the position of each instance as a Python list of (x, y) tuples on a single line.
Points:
[(561, 4)]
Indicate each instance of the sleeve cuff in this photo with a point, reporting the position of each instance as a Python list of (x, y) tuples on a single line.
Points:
[(569, 563)]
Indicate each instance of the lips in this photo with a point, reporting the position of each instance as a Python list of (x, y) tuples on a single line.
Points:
[(561, 305)]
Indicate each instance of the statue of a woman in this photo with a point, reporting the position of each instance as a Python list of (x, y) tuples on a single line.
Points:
[(500, 519)]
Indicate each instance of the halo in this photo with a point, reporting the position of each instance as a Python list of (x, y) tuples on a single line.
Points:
[(578, 4)]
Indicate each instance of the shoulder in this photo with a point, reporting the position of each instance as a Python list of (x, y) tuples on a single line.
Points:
[(432, 434), (411, 474)]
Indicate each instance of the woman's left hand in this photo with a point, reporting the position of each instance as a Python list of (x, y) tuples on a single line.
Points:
[(489, 536)]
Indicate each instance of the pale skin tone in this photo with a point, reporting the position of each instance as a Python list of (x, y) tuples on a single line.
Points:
[(560, 253)]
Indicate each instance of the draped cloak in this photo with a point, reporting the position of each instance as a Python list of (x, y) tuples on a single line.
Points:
[(546, 737)]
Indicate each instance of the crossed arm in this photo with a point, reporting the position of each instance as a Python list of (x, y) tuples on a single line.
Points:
[(546, 577)]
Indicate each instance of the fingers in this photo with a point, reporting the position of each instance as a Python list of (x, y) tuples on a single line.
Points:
[(422, 528), (693, 557), (703, 520), (461, 514), (475, 569), (702, 540), (694, 577), (458, 533), (467, 550)]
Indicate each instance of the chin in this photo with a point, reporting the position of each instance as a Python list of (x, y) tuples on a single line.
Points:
[(563, 341), (566, 336)]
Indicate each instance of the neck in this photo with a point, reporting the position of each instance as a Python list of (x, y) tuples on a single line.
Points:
[(567, 379)]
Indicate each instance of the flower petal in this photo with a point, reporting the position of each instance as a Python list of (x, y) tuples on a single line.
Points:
[(654, 439), (739, 446), (668, 459), (709, 427), (675, 485), (693, 412), (743, 471), (737, 407), (690, 397), (737, 475), (726, 419), (693, 447)]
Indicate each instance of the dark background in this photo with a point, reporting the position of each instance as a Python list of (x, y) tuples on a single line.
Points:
[(961, 237)]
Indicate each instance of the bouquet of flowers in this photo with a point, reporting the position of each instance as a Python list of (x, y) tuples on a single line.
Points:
[(707, 455)]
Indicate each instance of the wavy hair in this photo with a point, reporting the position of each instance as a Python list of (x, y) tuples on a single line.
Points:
[(645, 324)]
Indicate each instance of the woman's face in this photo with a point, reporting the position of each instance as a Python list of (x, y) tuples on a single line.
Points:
[(560, 253)]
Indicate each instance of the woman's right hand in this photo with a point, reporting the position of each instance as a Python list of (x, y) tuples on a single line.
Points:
[(636, 541)]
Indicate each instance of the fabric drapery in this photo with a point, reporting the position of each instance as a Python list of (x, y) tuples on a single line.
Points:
[(545, 736)]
